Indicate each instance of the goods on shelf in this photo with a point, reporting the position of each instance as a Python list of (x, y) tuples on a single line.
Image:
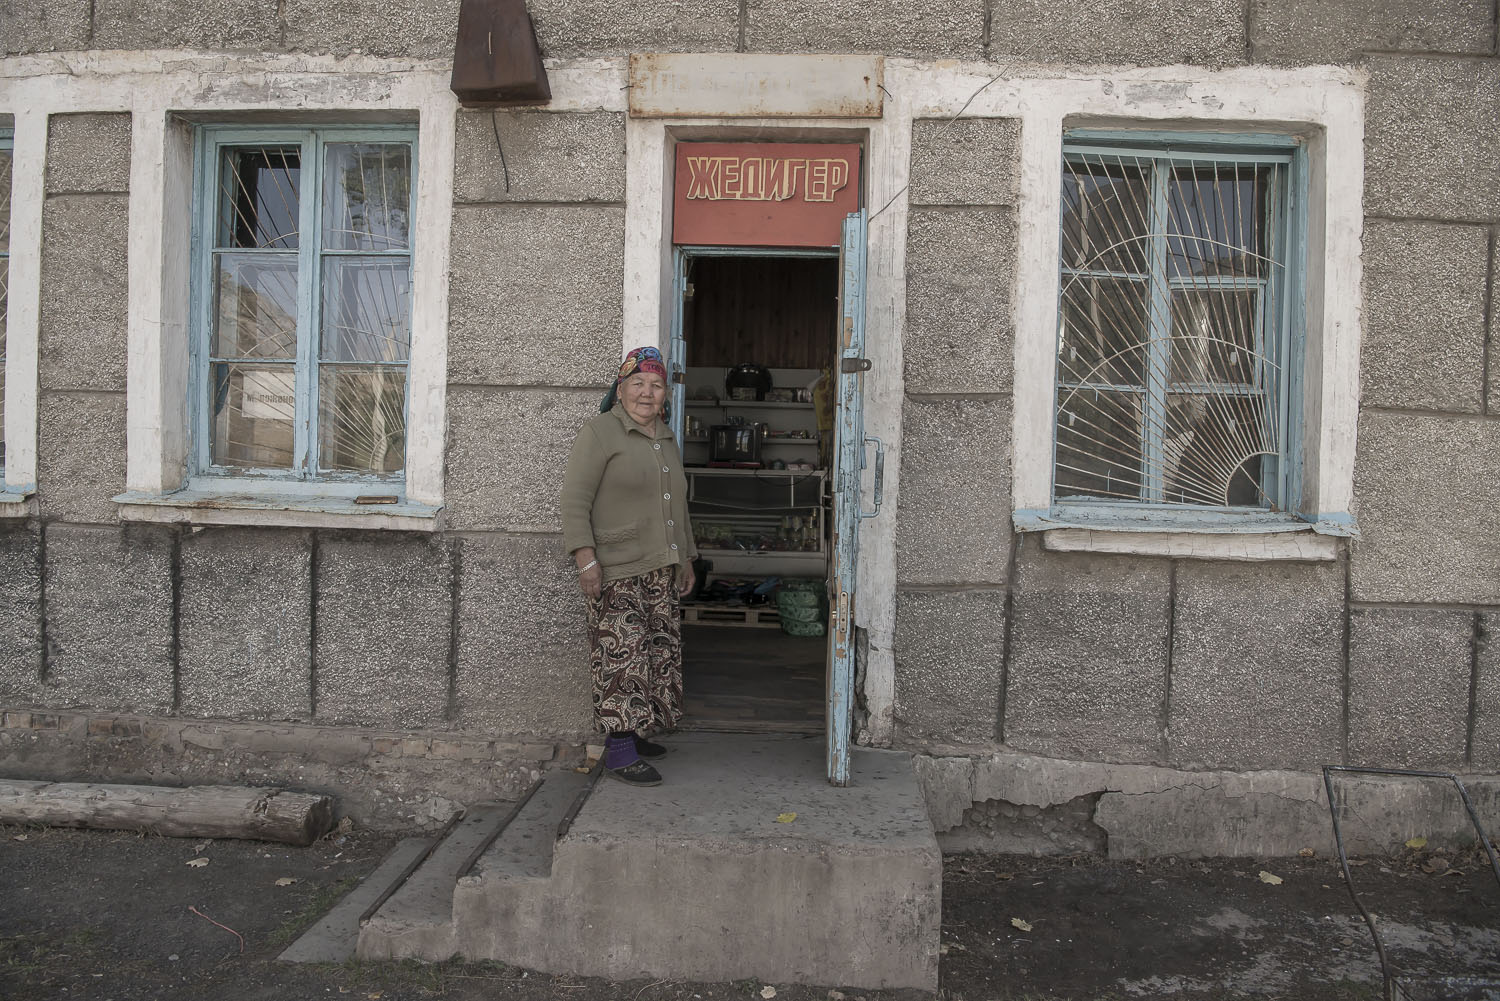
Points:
[(802, 605), (789, 534)]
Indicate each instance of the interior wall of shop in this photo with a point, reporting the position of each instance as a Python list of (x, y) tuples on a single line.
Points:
[(1004, 653)]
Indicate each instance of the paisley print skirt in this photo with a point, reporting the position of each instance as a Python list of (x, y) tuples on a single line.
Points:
[(636, 655)]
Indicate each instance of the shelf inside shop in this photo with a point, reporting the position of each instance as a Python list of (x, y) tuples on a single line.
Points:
[(774, 440), (755, 404)]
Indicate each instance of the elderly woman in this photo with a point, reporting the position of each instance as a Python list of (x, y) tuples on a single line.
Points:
[(625, 521)]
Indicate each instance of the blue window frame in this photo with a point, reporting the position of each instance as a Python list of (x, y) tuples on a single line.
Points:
[(302, 255), (7, 142), (1179, 321)]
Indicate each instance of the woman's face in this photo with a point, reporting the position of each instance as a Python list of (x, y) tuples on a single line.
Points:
[(643, 394)]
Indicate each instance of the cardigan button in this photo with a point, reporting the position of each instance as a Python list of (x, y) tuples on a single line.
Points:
[(666, 496), (657, 446), (665, 469)]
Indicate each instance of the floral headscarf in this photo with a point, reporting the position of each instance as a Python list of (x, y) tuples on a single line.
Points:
[(643, 359)]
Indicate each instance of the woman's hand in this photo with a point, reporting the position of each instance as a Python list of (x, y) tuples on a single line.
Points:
[(686, 580), (591, 581), (590, 573)]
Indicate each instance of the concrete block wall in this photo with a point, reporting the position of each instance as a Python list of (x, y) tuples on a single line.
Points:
[(535, 309), (1383, 657), (1215, 32)]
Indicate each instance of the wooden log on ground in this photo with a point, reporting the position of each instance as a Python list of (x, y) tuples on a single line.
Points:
[(193, 812)]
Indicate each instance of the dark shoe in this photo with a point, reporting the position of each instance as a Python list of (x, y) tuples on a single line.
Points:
[(649, 748), (637, 773)]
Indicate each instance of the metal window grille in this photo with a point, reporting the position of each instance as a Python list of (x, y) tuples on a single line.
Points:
[(1173, 320), (305, 302)]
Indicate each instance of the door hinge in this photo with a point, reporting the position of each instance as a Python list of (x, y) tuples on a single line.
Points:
[(678, 377), (687, 290), (851, 365)]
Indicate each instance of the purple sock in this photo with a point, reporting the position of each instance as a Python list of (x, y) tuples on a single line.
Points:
[(620, 751)]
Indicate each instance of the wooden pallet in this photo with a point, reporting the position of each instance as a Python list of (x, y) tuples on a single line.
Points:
[(761, 617)]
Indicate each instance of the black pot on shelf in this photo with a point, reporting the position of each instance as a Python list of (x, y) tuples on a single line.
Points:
[(752, 381)]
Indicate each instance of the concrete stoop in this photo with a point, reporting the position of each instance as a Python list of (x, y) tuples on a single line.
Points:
[(743, 863)]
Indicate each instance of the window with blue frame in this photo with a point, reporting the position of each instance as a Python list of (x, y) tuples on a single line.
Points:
[(302, 302), (1178, 322), (6, 154)]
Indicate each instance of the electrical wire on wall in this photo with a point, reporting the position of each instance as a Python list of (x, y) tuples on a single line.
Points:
[(495, 125), (983, 87)]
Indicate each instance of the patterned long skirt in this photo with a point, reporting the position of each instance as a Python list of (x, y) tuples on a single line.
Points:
[(636, 655)]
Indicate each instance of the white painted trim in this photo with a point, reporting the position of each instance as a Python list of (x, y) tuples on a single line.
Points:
[(1324, 102), (23, 308), (427, 371), (197, 507), (17, 504), (755, 84), (1304, 545)]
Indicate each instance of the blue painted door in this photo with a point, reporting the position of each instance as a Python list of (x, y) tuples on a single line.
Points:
[(677, 347), (849, 450)]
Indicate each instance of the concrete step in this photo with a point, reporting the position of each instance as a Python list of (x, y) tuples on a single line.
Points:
[(334, 938), (743, 863), (511, 886), (418, 920)]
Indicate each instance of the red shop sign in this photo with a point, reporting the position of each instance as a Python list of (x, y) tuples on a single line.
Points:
[(763, 194)]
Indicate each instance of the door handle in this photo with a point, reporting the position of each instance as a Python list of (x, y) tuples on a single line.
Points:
[(879, 475)]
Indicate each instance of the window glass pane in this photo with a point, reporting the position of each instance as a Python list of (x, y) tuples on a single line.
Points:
[(255, 313), (366, 194), (1215, 219), (1213, 449), (253, 409), (1215, 338), (1102, 331), (1105, 215), (1099, 445), (362, 418), (366, 309), (259, 188)]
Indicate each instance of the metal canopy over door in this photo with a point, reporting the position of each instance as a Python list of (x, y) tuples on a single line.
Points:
[(849, 464)]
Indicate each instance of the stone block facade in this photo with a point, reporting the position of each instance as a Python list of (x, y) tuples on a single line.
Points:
[(245, 624), (384, 612), (507, 449), (1088, 658), (109, 618), (1410, 671), (953, 469), (20, 613), (522, 656), (951, 650), (1257, 673), (535, 294)]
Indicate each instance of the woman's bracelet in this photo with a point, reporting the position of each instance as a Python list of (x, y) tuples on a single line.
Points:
[(587, 567)]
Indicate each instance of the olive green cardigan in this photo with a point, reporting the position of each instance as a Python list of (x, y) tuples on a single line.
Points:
[(625, 495)]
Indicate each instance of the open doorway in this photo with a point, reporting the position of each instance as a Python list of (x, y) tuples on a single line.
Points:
[(757, 438)]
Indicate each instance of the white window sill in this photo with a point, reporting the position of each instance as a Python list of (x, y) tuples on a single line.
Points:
[(1186, 535), (291, 510), (17, 502)]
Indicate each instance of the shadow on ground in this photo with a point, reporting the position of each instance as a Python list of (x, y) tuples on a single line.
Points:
[(123, 917)]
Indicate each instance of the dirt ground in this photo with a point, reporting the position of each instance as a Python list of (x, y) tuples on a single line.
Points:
[(123, 917)]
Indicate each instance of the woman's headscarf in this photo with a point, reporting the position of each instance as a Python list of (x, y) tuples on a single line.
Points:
[(643, 359)]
